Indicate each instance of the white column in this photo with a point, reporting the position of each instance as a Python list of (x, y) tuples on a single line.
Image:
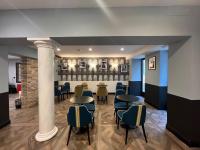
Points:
[(47, 128)]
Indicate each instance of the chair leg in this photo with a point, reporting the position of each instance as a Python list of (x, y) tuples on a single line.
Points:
[(70, 129), (88, 131), (144, 133), (126, 135), (117, 122)]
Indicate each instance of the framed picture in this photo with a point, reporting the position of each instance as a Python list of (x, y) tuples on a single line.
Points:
[(124, 68), (104, 64), (82, 64), (64, 66), (152, 63)]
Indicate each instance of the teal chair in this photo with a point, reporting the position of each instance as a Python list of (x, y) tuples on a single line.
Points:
[(134, 116), (78, 117), (90, 106)]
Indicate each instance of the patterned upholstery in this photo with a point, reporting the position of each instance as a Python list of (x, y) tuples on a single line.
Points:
[(134, 116), (90, 106), (78, 90), (79, 116)]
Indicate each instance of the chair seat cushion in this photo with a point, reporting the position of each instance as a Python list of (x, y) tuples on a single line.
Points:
[(90, 107), (120, 113)]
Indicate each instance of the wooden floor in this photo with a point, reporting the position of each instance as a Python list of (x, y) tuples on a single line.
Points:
[(19, 135)]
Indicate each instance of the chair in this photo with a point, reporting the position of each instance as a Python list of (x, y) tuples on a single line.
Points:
[(118, 105), (57, 93), (78, 90), (65, 89), (79, 116), (118, 87), (134, 116), (119, 84), (85, 85), (90, 106), (102, 92)]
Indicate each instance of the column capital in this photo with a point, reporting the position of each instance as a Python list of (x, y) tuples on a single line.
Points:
[(42, 42)]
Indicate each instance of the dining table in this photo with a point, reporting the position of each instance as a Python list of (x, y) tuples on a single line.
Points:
[(129, 99), (78, 100)]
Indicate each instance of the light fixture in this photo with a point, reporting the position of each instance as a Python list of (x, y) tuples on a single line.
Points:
[(58, 49), (122, 49), (90, 49)]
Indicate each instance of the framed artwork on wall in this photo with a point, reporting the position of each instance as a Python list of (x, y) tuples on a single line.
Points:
[(152, 63), (82, 64), (65, 66), (124, 68), (104, 64)]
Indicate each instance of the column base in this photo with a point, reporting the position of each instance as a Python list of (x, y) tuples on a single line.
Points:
[(40, 137)]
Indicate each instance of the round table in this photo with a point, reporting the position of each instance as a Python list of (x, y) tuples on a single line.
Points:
[(128, 99), (81, 99)]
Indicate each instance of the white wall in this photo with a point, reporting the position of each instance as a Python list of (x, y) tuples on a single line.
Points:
[(92, 85), (12, 70), (159, 76), (3, 71), (135, 70)]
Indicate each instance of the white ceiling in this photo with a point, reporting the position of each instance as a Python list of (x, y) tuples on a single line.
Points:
[(13, 57), (35, 4), (108, 50)]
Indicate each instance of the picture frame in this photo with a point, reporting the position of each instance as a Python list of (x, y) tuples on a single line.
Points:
[(152, 63), (124, 68), (64, 66), (82, 64), (104, 64)]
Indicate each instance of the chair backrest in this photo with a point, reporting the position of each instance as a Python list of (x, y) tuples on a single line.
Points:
[(102, 91), (66, 86), (87, 93), (119, 92), (78, 90), (57, 91), (119, 83), (79, 116), (119, 87), (135, 115)]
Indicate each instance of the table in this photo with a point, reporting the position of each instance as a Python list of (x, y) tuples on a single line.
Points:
[(128, 99), (81, 99)]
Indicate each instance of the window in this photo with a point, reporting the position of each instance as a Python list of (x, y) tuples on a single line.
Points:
[(18, 72)]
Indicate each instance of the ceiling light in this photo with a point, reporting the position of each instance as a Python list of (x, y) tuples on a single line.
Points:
[(90, 49), (58, 49), (122, 49)]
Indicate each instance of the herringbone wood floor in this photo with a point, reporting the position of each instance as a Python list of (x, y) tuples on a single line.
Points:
[(19, 135)]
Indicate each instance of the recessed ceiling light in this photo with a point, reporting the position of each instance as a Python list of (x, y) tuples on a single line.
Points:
[(90, 49), (122, 49), (58, 49)]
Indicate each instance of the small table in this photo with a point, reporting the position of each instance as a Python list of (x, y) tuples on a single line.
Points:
[(81, 100), (128, 99)]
